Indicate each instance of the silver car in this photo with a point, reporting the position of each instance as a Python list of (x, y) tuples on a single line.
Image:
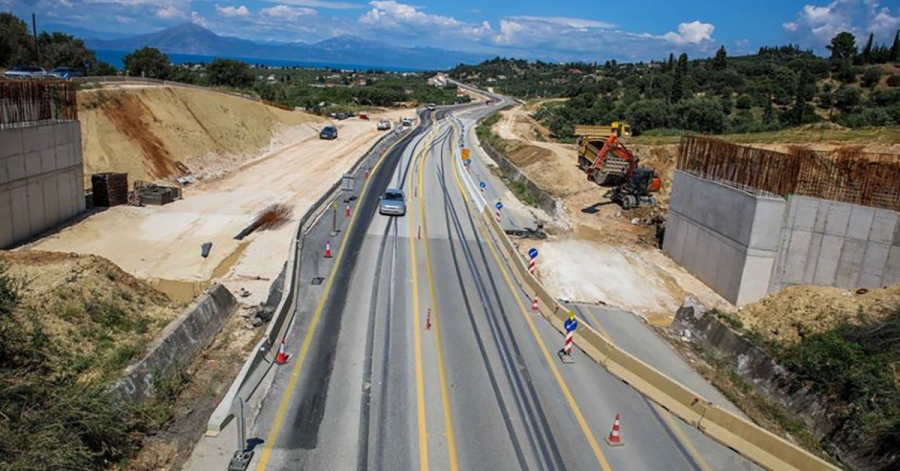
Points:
[(393, 203)]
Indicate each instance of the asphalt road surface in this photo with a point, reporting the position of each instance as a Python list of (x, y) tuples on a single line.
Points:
[(428, 357)]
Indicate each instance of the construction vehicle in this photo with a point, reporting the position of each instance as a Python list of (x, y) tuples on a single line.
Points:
[(618, 129), (609, 163)]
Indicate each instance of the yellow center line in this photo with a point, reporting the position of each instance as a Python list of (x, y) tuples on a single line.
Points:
[(439, 344), (582, 422), (417, 335), (266, 454), (666, 415)]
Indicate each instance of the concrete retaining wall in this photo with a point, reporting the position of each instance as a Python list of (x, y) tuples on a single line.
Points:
[(41, 179), (746, 246), (828, 243), (544, 200), (179, 343), (726, 237)]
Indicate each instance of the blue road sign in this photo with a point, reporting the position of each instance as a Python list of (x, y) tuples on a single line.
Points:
[(533, 253), (482, 184), (499, 205), (570, 325)]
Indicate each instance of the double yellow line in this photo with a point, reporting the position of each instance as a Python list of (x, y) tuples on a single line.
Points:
[(442, 372)]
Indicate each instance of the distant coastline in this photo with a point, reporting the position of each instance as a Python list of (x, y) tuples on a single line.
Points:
[(115, 59)]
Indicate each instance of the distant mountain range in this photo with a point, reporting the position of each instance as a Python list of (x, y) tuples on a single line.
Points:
[(189, 38)]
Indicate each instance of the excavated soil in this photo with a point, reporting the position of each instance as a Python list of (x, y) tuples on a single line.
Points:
[(95, 314), (159, 133), (797, 311)]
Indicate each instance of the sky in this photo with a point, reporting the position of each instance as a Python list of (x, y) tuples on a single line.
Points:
[(555, 30)]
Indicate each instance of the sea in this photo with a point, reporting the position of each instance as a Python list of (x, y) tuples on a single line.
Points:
[(115, 59)]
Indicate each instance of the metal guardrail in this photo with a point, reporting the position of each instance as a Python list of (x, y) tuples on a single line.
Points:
[(260, 361)]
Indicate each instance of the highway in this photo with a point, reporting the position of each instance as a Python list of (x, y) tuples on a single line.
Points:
[(424, 355)]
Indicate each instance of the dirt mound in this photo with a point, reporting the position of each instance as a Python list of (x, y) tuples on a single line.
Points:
[(98, 317), (145, 131), (797, 311)]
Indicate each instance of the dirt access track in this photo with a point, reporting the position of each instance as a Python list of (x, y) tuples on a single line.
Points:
[(625, 269), (162, 243)]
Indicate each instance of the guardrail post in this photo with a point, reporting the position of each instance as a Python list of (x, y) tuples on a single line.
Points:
[(242, 455)]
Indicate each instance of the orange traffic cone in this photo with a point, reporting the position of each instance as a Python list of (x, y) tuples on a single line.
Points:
[(534, 305), (281, 358), (328, 249), (614, 439), (347, 211)]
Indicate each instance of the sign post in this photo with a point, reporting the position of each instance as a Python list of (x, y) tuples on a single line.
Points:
[(532, 265), (565, 354)]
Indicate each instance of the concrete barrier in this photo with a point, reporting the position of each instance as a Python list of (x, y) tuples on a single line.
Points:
[(177, 345), (544, 200), (261, 359), (751, 441)]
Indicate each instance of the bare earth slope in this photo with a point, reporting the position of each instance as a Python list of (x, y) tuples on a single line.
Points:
[(144, 131)]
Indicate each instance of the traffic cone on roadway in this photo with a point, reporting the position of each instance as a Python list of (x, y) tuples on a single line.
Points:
[(282, 357), (614, 439), (347, 211), (534, 305), (328, 249)]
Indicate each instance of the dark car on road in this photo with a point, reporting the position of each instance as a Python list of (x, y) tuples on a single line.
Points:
[(328, 132), (66, 72)]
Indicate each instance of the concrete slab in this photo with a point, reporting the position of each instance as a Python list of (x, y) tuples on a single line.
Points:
[(766, 224), (18, 198), (797, 256), (805, 212), (829, 255), (10, 143), (822, 216), (838, 219), (812, 261), (7, 237), (51, 198), (15, 167), (37, 138), (883, 225), (32, 164), (755, 279), (860, 222), (67, 207), (4, 173), (48, 160), (892, 270), (874, 263), (850, 265), (36, 216)]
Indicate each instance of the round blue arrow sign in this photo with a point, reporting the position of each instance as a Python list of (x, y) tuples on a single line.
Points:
[(482, 184), (533, 253), (570, 325), (499, 205)]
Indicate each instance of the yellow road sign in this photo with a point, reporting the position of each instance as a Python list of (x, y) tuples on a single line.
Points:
[(465, 154)]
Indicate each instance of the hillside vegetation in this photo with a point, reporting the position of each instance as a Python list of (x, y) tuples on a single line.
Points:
[(777, 88), (69, 325)]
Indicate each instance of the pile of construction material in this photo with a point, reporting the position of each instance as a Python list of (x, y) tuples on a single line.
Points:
[(150, 193), (109, 189)]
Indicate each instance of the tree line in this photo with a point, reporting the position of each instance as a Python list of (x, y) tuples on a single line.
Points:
[(775, 88)]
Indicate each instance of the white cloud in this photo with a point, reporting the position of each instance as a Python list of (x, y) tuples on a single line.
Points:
[(320, 4), (125, 20), (817, 24), (288, 13), (576, 23), (410, 20), (694, 32), (233, 11), (169, 13)]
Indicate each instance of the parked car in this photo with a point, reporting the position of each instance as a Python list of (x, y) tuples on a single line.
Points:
[(328, 132), (66, 72), (406, 122), (26, 71), (392, 203), (384, 125)]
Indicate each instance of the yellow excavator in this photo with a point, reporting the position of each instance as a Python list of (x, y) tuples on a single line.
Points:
[(618, 129)]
